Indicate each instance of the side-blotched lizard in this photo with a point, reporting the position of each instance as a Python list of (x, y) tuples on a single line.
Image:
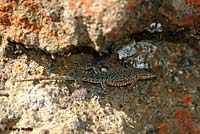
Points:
[(118, 77)]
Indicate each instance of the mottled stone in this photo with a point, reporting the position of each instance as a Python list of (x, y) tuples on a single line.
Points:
[(56, 26)]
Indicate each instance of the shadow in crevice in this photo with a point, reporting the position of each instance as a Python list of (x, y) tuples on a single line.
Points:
[(182, 36)]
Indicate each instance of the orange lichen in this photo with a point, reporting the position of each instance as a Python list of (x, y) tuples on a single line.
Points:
[(17, 38), (4, 19), (2, 7), (198, 10), (29, 26), (190, 2), (187, 99), (5, 15), (50, 34), (164, 129), (31, 4), (184, 122), (164, 12), (87, 4), (72, 5), (193, 4), (35, 6), (197, 2), (13, 4), (32, 27), (90, 12), (16, 20), (177, 21), (24, 23), (188, 20), (37, 30), (131, 6)]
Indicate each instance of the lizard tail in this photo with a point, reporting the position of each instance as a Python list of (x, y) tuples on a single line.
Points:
[(47, 78)]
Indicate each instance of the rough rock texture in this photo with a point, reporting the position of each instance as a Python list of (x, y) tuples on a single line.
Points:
[(29, 106), (182, 12), (54, 26), (169, 104)]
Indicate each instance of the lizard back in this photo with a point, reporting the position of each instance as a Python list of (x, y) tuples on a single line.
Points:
[(118, 77)]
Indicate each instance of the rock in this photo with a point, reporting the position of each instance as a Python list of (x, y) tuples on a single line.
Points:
[(56, 26)]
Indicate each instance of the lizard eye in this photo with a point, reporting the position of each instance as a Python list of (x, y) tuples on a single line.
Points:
[(73, 73)]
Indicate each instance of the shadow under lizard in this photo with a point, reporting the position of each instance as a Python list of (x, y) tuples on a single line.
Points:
[(117, 77)]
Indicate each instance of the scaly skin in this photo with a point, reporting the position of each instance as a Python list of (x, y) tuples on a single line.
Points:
[(118, 77)]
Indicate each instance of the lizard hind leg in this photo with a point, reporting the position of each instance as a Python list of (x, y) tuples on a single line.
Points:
[(104, 87), (133, 84)]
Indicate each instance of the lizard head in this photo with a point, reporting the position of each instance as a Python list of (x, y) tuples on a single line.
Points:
[(74, 74)]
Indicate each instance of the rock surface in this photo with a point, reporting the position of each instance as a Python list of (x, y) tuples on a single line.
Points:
[(56, 26), (168, 104)]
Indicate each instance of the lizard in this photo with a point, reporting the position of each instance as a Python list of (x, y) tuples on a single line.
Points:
[(116, 77)]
